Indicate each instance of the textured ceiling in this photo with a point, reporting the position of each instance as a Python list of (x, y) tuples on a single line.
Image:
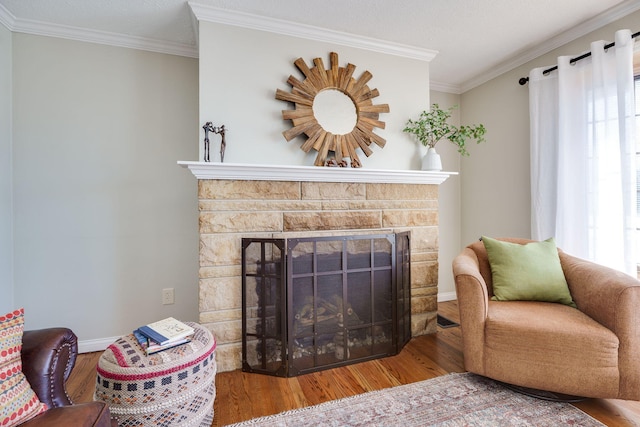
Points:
[(471, 36)]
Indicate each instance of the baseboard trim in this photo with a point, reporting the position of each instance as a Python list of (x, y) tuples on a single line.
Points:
[(99, 344), (446, 296)]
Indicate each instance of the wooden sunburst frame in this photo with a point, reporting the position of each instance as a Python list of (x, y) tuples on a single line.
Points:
[(339, 78)]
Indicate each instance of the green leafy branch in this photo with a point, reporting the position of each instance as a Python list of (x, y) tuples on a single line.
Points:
[(432, 126)]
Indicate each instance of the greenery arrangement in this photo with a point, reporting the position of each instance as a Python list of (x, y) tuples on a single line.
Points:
[(432, 126)]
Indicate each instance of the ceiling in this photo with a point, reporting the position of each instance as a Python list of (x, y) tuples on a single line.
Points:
[(475, 39)]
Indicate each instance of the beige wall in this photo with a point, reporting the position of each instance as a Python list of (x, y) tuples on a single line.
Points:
[(6, 240), (495, 180), (104, 219), (97, 131)]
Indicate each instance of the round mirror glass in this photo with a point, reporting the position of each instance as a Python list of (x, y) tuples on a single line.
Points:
[(335, 111)]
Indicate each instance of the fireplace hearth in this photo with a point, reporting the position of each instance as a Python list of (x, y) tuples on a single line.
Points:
[(315, 303)]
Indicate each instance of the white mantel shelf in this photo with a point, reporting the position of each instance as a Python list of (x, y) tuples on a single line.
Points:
[(251, 172)]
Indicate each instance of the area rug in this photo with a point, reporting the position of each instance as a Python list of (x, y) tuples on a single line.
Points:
[(450, 400)]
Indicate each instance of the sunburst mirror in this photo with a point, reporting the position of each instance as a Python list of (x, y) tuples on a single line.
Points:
[(334, 110)]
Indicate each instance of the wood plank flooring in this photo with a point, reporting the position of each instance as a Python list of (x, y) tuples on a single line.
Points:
[(241, 396)]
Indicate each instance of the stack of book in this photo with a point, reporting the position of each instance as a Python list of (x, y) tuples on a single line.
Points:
[(162, 335)]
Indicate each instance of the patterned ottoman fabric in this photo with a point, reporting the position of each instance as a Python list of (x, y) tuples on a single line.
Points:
[(175, 387)]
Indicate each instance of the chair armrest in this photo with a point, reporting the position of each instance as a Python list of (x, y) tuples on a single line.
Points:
[(612, 299), (48, 356), (601, 292), (473, 304)]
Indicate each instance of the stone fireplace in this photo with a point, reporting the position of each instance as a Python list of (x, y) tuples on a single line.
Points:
[(258, 201)]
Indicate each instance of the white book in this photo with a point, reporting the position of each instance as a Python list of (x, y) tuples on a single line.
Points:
[(166, 330)]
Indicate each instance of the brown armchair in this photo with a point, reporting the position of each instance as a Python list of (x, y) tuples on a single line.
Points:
[(591, 351), (48, 356)]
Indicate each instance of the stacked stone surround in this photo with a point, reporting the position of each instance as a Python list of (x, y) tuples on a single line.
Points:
[(231, 210)]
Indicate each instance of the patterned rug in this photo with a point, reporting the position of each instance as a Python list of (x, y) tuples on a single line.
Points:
[(451, 400)]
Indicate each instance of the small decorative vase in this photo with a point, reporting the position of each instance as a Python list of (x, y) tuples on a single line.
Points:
[(431, 161)]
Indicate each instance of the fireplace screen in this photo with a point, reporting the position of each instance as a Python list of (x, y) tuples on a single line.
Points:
[(318, 303)]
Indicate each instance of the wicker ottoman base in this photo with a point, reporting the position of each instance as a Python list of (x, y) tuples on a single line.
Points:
[(175, 387)]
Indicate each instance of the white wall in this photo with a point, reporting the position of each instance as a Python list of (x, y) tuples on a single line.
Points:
[(495, 179), (240, 70), (6, 240), (449, 201), (103, 217)]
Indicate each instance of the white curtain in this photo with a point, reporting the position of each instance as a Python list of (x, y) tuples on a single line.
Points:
[(583, 173)]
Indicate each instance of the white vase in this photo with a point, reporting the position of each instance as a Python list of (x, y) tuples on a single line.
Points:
[(431, 161)]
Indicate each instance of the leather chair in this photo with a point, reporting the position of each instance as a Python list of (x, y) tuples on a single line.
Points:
[(48, 356), (591, 351)]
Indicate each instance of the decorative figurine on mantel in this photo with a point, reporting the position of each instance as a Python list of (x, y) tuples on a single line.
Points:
[(333, 163), (208, 127)]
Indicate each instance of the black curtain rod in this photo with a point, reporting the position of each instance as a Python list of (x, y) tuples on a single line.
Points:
[(523, 80)]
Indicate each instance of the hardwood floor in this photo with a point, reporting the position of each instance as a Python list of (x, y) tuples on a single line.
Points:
[(241, 396)]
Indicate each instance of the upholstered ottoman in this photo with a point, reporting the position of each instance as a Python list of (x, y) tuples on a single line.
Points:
[(175, 387)]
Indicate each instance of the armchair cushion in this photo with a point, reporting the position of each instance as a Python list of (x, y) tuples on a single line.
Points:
[(19, 402), (526, 338), (529, 272)]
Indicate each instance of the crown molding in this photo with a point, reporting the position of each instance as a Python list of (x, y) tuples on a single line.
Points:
[(617, 12), (211, 14), (104, 37), (6, 18), (445, 87), (256, 22), (40, 28)]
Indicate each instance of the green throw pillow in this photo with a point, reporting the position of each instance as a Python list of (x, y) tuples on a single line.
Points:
[(530, 272)]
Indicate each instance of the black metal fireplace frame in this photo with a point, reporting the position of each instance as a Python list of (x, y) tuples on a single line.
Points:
[(274, 277)]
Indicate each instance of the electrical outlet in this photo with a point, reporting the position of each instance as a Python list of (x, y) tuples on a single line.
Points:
[(167, 296)]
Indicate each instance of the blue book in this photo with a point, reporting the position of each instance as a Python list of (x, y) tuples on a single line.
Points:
[(142, 340)]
